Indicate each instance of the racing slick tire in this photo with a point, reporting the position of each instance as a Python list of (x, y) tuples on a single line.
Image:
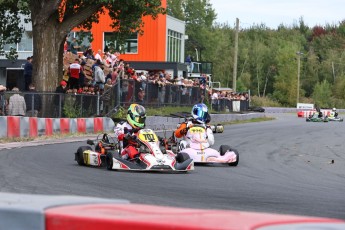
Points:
[(80, 154), (109, 161), (237, 158), (182, 157), (223, 149)]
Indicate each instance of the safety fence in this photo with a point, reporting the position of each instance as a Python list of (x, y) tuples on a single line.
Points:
[(92, 102)]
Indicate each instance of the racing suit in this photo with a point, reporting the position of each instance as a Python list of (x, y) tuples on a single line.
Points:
[(183, 132), (125, 134), (333, 114)]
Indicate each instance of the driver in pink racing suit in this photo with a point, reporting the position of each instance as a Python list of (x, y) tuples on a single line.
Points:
[(200, 118), (125, 132)]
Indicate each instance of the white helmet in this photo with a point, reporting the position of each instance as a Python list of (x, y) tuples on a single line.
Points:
[(334, 109)]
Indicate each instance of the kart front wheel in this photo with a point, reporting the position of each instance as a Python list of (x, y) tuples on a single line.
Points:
[(237, 158), (182, 157), (109, 161), (223, 149), (80, 154)]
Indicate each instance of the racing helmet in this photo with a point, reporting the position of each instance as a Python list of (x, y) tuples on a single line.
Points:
[(200, 113), (136, 116), (334, 109)]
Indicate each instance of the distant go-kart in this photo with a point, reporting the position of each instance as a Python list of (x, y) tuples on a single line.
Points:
[(218, 128), (316, 118)]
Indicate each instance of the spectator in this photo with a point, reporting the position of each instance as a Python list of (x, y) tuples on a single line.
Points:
[(28, 72), (189, 62), (16, 106), (89, 54), (74, 72), (82, 75), (141, 96), (99, 74), (3, 101), (65, 47), (74, 46), (59, 97), (106, 97), (32, 110), (214, 101), (98, 55)]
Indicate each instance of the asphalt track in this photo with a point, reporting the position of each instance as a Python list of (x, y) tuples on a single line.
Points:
[(287, 166)]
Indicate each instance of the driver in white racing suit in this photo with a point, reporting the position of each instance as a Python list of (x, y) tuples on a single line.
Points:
[(200, 118), (125, 131)]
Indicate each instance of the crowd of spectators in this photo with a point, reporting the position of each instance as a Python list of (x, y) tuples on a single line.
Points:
[(96, 73)]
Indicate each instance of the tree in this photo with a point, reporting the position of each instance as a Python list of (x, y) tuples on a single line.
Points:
[(52, 20), (322, 94)]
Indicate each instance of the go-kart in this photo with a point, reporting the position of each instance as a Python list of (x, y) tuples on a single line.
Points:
[(200, 151), (153, 156), (315, 118), (85, 155), (218, 128), (335, 119)]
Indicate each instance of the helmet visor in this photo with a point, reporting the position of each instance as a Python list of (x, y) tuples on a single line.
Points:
[(202, 115), (140, 119)]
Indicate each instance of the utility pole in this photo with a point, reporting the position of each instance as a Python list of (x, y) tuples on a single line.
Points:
[(299, 53), (235, 56)]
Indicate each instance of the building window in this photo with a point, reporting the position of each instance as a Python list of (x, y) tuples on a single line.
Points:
[(25, 45), (130, 45), (85, 43), (174, 46)]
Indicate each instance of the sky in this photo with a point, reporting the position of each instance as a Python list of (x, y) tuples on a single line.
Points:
[(273, 13)]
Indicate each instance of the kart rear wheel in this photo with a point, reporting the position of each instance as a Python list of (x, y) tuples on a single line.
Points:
[(80, 154), (237, 158), (223, 149), (182, 157), (109, 161)]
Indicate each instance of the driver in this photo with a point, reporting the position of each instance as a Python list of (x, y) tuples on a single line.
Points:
[(125, 131), (334, 113), (200, 117)]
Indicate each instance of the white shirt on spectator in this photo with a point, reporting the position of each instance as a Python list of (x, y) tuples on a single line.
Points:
[(99, 75)]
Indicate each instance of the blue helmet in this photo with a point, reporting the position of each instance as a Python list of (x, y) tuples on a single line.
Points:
[(200, 113)]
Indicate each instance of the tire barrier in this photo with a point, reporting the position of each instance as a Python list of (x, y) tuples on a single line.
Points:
[(43, 212), (15, 126), (307, 113)]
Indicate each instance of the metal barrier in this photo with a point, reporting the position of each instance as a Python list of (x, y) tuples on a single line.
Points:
[(123, 93)]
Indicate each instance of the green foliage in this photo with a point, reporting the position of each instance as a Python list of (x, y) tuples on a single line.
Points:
[(322, 95), (71, 108), (263, 102), (120, 114)]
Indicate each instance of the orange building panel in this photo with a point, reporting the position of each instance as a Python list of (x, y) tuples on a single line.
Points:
[(151, 45)]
